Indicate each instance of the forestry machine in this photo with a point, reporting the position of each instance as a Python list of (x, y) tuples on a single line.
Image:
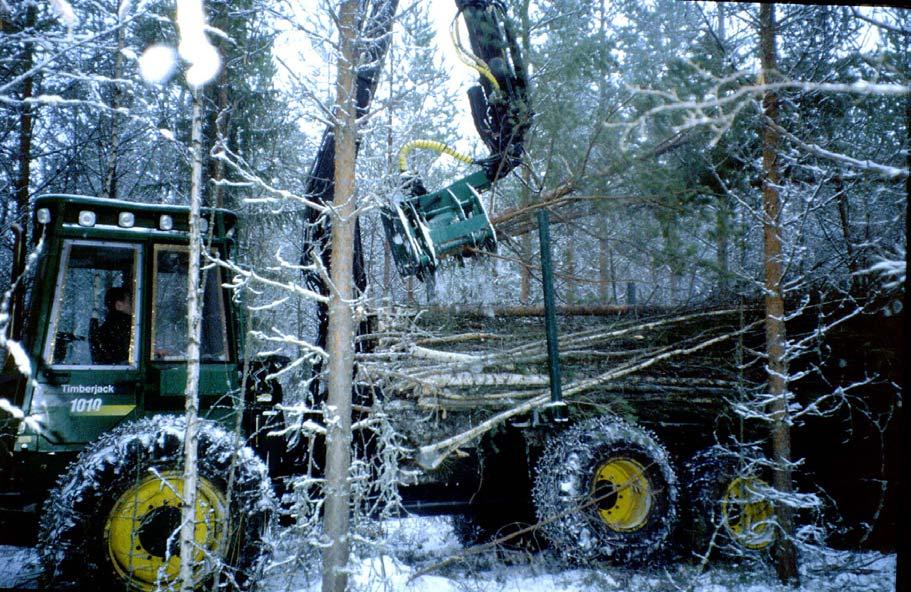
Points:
[(92, 428)]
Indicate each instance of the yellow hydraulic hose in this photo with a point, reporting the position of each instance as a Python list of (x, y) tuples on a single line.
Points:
[(468, 58), (429, 145)]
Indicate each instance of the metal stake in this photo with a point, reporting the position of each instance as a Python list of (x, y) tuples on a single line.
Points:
[(550, 316)]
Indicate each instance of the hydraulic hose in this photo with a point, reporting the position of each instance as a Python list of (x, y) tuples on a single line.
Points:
[(430, 145), (468, 58)]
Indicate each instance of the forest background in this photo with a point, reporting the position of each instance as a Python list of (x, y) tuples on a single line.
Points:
[(646, 147)]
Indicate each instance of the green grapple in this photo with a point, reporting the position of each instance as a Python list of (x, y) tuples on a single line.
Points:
[(423, 229)]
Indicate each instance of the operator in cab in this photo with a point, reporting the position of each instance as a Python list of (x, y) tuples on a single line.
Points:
[(113, 337)]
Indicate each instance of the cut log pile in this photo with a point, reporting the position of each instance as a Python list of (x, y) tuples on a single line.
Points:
[(672, 367)]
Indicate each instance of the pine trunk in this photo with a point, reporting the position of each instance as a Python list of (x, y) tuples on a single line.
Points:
[(340, 337), (525, 254), (25, 122), (188, 526), (844, 215), (722, 229), (604, 274), (776, 337), (570, 264)]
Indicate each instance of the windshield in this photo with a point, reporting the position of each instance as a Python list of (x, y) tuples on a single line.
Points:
[(93, 318)]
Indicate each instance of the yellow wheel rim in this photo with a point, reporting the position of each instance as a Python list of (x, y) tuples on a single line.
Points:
[(746, 515), (141, 530), (622, 494)]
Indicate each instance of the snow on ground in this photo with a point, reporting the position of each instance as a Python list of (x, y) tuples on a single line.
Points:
[(410, 545), (19, 567)]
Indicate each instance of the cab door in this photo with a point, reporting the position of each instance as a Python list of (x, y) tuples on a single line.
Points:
[(218, 380), (90, 377)]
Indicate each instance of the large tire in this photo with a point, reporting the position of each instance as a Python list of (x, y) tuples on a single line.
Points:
[(110, 523), (605, 490), (727, 511)]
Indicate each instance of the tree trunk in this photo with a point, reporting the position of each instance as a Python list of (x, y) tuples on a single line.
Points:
[(188, 525), (570, 271), (340, 335), (722, 242), (844, 215), (390, 158), (604, 260), (785, 551), (525, 254), (110, 177), (25, 122), (902, 576), (222, 117)]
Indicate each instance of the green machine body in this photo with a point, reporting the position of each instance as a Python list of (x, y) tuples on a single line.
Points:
[(425, 228)]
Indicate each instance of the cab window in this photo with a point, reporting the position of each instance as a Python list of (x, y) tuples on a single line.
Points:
[(93, 318), (169, 315)]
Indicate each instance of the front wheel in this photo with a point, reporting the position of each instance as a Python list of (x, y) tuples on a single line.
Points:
[(113, 520), (605, 490)]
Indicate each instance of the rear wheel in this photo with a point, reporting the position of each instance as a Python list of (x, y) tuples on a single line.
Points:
[(730, 511), (113, 521), (606, 490)]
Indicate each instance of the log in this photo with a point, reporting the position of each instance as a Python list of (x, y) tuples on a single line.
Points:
[(431, 456), (538, 311)]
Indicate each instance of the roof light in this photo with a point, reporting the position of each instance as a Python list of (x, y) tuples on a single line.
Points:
[(86, 218), (43, 215), (165, 222), (126, 219)]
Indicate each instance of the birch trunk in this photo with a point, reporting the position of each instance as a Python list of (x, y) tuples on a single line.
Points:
[(340, 337), (785, 552), (110, 176), (187, 528)]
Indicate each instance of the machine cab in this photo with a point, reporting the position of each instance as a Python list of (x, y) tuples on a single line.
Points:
[(106, 328)]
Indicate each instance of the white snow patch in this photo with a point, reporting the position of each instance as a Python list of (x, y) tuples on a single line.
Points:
[(5, 405), (157, 65), (125, 7), (20, 357), (205, 66), (20, 567), (65, 11), (194, 46)]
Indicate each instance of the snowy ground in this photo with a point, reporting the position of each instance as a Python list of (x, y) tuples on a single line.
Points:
[(413, 544)]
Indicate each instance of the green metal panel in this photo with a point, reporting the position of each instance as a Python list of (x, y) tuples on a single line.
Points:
[(76, 406), (65, 209), (214, 380), (451, 222)]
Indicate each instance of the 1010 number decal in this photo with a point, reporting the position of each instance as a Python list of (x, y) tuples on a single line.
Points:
[(85, 405)]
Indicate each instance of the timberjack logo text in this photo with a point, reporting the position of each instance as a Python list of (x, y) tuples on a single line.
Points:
[(92, 389)]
